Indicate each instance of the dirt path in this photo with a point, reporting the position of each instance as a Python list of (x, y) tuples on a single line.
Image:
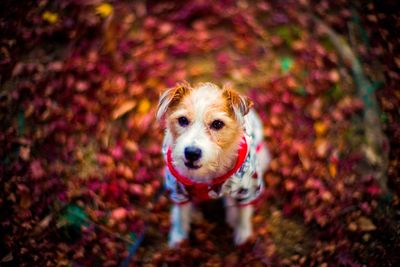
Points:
[(80, 149)]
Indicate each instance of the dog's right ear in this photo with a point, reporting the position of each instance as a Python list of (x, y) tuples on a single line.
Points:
[(171, 97), (239, 104)]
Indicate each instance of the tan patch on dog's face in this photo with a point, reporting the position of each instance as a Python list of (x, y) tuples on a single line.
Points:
[(176, 112), (218, 109), (211, 124), (231, 130), (172, 97)]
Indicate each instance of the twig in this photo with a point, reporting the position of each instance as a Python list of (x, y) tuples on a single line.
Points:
[(375, 138), (105, 229)]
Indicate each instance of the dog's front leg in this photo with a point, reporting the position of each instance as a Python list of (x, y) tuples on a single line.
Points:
[(180, 223), (244, 226), (231, 212)]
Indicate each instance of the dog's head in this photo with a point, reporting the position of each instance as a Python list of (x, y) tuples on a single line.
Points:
[(205, 127)]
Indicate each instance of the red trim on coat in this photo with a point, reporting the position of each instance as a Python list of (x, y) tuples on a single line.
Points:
[(181, 203), (242, 154), (255, 201), (259, 147)]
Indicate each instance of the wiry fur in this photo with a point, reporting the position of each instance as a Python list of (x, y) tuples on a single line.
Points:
[(202, 105)]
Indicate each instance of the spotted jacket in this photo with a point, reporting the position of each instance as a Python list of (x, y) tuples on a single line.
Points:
[(245, 185)]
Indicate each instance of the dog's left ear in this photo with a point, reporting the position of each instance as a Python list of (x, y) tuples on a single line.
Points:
[(171, 97), (239, 104)]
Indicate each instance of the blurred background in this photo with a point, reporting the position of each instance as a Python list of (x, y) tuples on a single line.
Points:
[(81, 173)]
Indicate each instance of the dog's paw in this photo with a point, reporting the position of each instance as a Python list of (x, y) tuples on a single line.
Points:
[(242, 234), (176, 238)]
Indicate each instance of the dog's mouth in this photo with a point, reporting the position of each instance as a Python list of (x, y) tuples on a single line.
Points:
[(191, 165)]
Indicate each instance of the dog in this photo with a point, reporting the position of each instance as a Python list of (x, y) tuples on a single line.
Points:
[(213, 147)]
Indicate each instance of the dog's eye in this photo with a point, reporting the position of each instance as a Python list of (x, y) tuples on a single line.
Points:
[(183, 121), (217, 124)]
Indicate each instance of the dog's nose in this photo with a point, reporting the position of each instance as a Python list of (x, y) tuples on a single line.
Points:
[(192, 153)]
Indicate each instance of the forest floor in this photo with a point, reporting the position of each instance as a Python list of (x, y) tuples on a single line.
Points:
[(80, 162)]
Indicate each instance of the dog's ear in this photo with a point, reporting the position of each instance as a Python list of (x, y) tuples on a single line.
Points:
[(171, 97), (239, 104)]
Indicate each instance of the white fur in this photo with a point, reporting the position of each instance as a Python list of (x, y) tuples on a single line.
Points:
[(231, 212), (239, 218), (164, 103), (214, 163), (180, 223), (244, 226)]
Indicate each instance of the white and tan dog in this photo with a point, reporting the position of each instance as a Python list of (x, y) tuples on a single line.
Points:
[(213, 147)]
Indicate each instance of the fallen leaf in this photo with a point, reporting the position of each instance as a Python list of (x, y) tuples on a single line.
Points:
[(286, 64), (24, 153), (332, 169), (104, 9), (8, 257), (50, 17), (320, 128), (119, 214), (123, 109), (144, 106), (365, 224)]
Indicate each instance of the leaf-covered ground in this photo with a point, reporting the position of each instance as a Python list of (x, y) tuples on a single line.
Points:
[(81, 173)]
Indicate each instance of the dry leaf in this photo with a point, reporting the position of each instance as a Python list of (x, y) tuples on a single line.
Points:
[(365, 224), (123, 108)]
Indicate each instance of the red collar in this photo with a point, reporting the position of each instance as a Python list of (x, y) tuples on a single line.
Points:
[(242, 153)]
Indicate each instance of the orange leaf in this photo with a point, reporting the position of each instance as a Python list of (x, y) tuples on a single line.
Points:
[(366, 224), (123, 108), (320, 128), (332, 169), (144, 106)]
